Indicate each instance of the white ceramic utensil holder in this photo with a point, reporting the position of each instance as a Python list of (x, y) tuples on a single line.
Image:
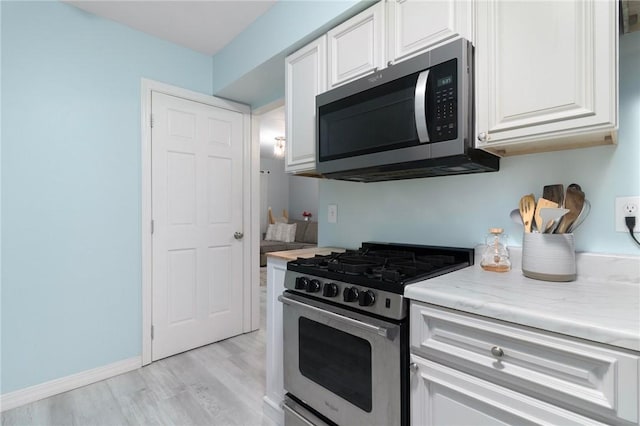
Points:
[(549, 257)]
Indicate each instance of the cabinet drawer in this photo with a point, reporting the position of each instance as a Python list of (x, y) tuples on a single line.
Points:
[(581, 375), (442, 396)]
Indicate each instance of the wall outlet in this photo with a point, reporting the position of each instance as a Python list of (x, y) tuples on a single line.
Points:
[(627, 206), (332, 213)]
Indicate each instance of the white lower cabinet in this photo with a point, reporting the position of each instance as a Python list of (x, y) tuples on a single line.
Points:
[(474, 370), (274, 392), (443, 396)]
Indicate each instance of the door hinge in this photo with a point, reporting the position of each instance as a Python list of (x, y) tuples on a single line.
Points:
[(152, 332), (152, 227), (151, 120)]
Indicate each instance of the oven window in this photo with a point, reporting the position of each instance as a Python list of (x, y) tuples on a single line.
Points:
[(337, 361)]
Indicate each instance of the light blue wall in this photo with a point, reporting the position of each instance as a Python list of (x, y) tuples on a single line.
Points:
[(458, 210), (71, 267)]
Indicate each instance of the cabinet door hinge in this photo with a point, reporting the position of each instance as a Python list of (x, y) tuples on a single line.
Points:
[(152, 227), (151, 120), (152, 332)]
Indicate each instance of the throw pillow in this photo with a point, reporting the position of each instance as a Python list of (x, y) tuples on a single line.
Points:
[(271, 233), (286, 233)]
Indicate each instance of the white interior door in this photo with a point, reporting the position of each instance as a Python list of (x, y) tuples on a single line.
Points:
[(197, 207)]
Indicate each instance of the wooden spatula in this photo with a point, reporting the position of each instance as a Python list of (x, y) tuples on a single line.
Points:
[(554, 193), (527, 208), (542, 204), (574, 201)]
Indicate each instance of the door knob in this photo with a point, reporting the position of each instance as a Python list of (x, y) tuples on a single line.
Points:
[(482, 137), (238, 235)]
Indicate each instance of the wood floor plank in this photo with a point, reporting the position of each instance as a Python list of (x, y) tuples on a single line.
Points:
[(219, 384)]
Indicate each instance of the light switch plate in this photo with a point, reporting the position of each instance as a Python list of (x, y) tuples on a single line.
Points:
[(332, 213)]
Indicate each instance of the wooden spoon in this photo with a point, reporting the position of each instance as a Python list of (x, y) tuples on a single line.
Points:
[(527, 208), (574, 201), (542, 204), (554, 193)]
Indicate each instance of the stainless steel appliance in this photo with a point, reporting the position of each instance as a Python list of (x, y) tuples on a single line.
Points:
[(345, 325), (413, 119)]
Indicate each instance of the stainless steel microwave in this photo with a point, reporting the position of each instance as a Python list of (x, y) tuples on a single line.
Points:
[(413, 119)]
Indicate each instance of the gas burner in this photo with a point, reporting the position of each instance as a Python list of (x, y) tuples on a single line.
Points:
[(383, 266), (320, 261), (355, 264)]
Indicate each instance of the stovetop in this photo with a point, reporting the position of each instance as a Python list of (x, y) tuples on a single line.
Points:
[(385, 266), (371, 280)]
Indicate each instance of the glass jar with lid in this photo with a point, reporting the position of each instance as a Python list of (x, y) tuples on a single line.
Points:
[(496, 257)]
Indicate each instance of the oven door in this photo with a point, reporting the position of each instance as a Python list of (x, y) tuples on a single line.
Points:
[(342, 364)]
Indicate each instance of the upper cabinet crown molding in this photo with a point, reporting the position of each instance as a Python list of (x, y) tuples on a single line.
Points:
[(546, 75)]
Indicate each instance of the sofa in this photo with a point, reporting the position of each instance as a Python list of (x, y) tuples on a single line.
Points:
[(306, 236)]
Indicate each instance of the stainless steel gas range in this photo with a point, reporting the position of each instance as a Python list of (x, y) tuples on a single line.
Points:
[(346, 332)]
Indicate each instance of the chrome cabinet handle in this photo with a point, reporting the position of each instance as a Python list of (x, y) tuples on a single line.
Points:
[(238, 235), (497, 351), (482, 137), (413, 367), (389, 63), (345, 320), (420, 108)]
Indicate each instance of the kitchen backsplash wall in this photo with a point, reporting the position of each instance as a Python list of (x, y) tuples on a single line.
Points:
[(458, 210)]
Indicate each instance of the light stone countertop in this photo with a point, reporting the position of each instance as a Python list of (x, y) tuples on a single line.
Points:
[(307, 252), (602, 305)]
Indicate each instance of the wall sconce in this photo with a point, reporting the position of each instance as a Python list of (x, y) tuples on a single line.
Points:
[(278, 147)]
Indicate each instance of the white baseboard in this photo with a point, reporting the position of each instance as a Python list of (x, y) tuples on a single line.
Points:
[(44, 390), (272, 410)]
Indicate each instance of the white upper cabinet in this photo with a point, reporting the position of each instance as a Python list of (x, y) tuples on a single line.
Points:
[(356, 47), (415, 25), (546, 75), (305, 77)]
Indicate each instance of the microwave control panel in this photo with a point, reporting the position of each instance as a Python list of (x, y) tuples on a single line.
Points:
[(444, 102)]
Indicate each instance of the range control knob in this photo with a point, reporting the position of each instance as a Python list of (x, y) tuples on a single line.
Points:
[(350, 294), (313, 286), (330, 290), (301, 283), (366, 298)]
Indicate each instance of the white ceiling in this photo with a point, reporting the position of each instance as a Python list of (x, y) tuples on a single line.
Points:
[(205, 26)]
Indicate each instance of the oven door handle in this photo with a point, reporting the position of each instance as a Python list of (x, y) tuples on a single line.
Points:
[(346, 320)]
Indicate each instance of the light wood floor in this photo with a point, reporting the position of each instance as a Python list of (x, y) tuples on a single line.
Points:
[(219, 384)]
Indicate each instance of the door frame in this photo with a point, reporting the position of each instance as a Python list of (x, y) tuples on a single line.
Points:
[(251, 214)]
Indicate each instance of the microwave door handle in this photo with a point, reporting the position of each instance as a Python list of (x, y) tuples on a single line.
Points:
[(421, 107), (345, 320)]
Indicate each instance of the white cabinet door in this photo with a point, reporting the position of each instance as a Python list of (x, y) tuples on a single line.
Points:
[(415, 25), (441, 396), (546, 74), (274, 392), (305, 77), (577, 375), (356, 47)]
